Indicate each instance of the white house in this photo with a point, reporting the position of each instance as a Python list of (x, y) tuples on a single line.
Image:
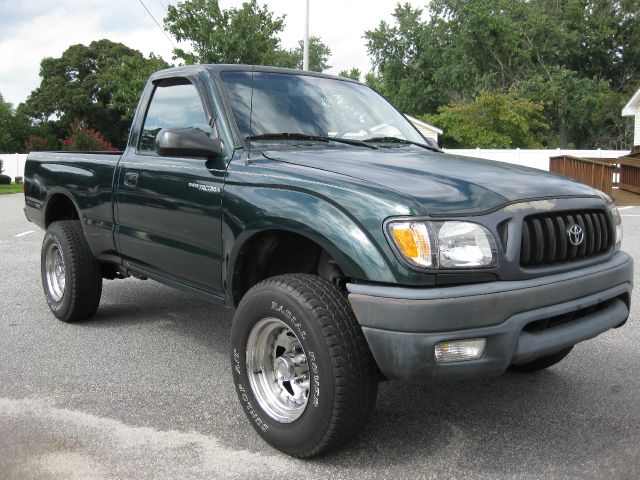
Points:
[(632, 109), (429, 131)]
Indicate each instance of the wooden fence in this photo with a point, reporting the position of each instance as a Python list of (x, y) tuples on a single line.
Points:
[(597, 174), (629, 174)]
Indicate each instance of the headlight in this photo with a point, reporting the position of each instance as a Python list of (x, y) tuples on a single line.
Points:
[(413, 239), (444, 244), (617, 224)]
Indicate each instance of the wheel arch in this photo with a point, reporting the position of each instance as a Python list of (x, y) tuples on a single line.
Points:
[(267, 252), (60, 205)]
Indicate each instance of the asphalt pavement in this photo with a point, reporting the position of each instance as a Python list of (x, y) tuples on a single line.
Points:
[(143, 391)]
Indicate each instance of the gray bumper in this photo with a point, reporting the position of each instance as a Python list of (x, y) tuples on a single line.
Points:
[(402, 325)]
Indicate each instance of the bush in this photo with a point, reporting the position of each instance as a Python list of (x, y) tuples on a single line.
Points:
[(5, 180), (85, 139), (37, 143)]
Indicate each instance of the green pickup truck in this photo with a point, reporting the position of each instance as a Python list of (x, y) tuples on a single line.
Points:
[(351, 248)]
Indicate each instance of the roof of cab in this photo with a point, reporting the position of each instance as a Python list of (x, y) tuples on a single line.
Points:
[(223, 67)]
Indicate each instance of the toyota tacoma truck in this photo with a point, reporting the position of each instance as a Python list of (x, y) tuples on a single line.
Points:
[(352, 249)]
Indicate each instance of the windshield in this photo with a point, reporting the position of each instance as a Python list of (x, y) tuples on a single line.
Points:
[(301, 104)]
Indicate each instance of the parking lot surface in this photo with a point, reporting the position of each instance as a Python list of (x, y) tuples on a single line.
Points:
[(144, 391)]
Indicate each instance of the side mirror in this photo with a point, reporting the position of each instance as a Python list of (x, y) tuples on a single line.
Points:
[(187, 142)]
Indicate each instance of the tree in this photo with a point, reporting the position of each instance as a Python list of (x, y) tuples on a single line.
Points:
[(353, 74), (14, 128), (319, 54), (569, 54), (401, 71), (41, 143), (248, 35), (492, 120), (570, 103), (245, 35), (125, 78), (83, 84)]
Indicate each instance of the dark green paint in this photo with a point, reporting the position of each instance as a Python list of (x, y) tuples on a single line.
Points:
[(337, 195)]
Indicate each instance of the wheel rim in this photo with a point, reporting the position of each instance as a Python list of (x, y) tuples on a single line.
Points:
[(55, 272), (278, 370)]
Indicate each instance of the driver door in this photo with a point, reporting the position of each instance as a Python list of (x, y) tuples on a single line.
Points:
[(168, 209)]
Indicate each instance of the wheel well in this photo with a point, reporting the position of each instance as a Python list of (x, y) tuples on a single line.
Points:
[(279, 252), (60, 207)]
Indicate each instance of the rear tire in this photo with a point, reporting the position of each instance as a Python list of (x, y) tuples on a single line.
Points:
[(71, 276), (302, 368), (542, 362)]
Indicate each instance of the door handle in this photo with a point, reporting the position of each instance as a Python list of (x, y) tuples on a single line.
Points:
[(131, 179)]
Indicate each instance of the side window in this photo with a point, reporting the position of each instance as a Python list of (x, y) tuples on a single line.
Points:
[(172, 106)]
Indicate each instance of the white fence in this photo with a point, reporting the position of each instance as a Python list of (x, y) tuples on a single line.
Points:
[(532, 158), (14, 162)]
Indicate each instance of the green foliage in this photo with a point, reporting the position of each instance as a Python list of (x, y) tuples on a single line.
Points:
[(125, 78), (13, 188), (247, 35), (319, 54), (402, 71), (14, 128), (353, 74), (574, 56), (41, 143), (87, 83), (571, 102), (492, 120)]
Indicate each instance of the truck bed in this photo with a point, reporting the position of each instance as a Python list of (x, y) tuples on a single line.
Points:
[(85, 177)]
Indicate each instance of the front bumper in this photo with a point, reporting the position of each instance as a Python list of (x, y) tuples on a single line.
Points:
[(403, 325)]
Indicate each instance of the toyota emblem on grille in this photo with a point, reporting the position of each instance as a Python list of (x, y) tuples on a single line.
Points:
[(576, 235)]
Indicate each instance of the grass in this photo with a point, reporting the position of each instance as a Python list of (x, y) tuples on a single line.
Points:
[(13, 188)]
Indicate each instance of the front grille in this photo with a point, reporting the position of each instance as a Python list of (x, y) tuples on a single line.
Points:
[(546, 241)]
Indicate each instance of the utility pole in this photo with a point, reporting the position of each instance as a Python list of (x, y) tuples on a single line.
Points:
[(305, 54)]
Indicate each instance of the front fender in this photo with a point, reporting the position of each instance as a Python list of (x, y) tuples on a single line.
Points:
[(250, 210)]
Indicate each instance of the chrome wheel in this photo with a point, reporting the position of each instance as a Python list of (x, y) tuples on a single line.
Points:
[(278, 370), (55, 272)]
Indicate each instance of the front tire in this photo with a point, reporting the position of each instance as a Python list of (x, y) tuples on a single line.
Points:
[(302, 369), (71, 276)]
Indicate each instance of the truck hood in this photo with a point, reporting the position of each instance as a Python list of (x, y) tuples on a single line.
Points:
[(440, 182)]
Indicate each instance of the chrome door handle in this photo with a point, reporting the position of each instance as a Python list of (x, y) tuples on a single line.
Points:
[(131, 179)]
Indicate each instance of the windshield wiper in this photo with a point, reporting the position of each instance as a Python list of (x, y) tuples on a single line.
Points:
[(403, 141), (303, 136)]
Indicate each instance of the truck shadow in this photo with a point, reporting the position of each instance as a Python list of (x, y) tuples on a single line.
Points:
[(499, 426)]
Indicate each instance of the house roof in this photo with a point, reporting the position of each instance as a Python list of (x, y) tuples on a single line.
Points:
[(630, 108), (423, 124)]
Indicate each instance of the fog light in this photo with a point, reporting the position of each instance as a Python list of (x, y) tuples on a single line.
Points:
[(460, 350)]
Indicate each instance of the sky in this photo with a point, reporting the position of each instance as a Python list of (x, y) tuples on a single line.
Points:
[(33, 29)]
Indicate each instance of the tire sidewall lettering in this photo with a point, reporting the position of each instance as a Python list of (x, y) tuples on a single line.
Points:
[(314, 371), (318, 409), (248, 406)]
